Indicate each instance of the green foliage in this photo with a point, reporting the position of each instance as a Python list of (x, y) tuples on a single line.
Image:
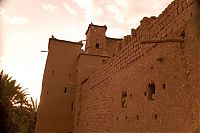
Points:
[(19, 113)]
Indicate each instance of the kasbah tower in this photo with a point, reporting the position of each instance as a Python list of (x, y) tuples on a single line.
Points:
[(147, 82)]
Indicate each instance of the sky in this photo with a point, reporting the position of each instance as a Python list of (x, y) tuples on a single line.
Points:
[(27, 25)]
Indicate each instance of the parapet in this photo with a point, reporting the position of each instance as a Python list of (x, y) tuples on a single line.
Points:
[(64, 41), (147, 20), (117, 39), (98, 26)]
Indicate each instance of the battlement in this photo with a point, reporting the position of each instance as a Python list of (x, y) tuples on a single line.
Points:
[(172, 18), (169, 22)]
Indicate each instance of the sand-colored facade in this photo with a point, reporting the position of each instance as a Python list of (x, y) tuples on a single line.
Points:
[(146, 82)]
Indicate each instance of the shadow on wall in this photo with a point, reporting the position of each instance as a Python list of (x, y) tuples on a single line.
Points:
[(198, 35), (198, 16)]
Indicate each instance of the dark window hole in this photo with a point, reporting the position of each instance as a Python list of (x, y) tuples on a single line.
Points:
[(156, 117), (97, 45), (65, 90), (163, 86), (137, 117), (72, 106), (151, 90)]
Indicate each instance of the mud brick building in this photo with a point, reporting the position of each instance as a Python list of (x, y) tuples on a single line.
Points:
[(147, 82)]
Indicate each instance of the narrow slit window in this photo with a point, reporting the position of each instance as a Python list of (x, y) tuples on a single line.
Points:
[(97, 45), (52, 73), (156, 117), (137, 117), (72, 106), (65, 90), (151, 90), (163, 86)]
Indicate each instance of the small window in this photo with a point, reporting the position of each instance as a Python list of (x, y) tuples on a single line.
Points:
[(97, 45), (151, 90), (65, 90), (123, 99), (156, 117), (52, 73), (137, 117), (163, 86), (72, 106)]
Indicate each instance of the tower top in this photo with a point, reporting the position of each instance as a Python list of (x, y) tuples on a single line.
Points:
[(92, 25)]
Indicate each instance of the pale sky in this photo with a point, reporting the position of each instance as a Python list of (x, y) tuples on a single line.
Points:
[(26, 26)]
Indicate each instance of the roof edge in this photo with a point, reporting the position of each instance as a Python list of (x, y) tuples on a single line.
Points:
[(77, 43), (104, 26)]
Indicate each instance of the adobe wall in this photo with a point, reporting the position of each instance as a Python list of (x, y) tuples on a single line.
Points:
[(171, 66), (113, 46), (96, 34), (88, 64), (56, 107)]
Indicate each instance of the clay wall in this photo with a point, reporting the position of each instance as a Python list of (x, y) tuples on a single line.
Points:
[(88, 64), (116, 98), (96, 35), (113, 46), (56, 107)]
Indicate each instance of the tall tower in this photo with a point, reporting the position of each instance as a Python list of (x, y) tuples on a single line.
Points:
[(56, 109), (96, 40)]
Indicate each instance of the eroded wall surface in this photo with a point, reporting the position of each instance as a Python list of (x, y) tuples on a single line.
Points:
[(148, 86)]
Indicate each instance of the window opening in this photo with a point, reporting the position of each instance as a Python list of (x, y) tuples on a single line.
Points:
[(97, 45), (65, 90), (151, 90), (156, 117), (137, 117), (72, 106), (163, 86), (52, 73), (123, 99)]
